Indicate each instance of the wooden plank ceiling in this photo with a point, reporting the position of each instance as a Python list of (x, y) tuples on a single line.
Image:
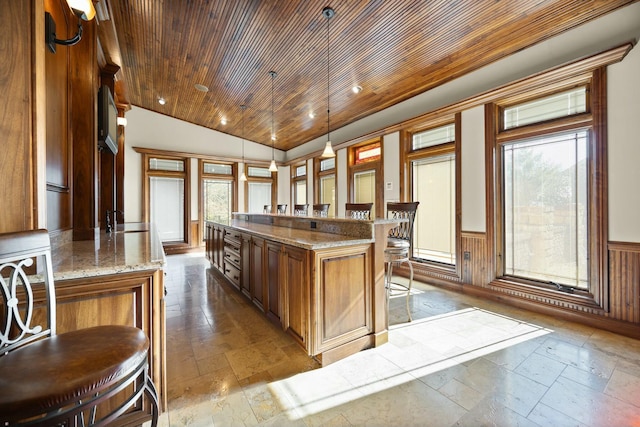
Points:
[(393, 49)]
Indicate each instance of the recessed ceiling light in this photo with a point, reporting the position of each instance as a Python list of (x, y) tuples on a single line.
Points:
[(223, 121), (201, 88), (161, 101), (311, 115), (356, 89)]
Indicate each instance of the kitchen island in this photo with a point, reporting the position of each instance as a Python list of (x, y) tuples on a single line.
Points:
[(115, 280), (321, 279)]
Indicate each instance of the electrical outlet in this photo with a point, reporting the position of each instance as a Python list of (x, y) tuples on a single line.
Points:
[(467, 256)]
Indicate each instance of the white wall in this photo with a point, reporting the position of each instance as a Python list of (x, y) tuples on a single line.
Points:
[(623, 106), (284, 187), (310, 177), (152, 130), (391, 166), (341, 181), (473, 171)]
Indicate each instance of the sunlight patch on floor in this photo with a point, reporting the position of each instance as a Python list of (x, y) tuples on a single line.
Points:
[(414, 350)]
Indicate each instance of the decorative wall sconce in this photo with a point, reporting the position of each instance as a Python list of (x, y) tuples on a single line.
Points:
[(83, 9)]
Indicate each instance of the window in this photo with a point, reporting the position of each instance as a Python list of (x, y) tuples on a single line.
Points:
[(545, 209), (549, 227), (432, 162), (166, 197), (260, 188), (554, 106), (326, 183), (367, 153), (364, 172), (299, 184), (217, 191)]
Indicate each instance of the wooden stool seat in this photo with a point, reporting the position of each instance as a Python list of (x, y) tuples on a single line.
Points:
[(93, 360)]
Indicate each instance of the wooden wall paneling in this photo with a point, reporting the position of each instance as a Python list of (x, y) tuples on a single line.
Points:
[(196, 235), (16, 165), (107, 164), (59, 166), (473, 269), (624, 281), (83, 108), (119, 180)]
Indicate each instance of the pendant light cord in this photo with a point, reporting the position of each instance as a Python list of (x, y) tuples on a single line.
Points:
[(273, 75), (328, 78)]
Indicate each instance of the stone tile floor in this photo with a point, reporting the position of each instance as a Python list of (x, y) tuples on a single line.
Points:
[(461, 362)]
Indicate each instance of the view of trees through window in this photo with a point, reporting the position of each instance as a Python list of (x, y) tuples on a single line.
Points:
[(545, 209), (217, 200)]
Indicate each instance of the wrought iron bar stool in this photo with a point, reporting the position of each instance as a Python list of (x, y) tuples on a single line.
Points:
[(300, 210), (51, 379), (266, 209), (281, 209), (398, 250), (358, 210), (321, 209)]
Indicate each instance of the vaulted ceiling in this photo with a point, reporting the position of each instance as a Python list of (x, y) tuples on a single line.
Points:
[(392, 49)]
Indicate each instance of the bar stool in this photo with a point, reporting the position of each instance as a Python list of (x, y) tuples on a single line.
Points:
[(399, 242), (54, 380), (281, 209), (266, 209), (300, 210), (358, 210), (321, 209)]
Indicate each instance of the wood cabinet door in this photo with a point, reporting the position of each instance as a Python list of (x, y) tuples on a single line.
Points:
[(274, 253), (257, 272), (208, 241), (296, 280), (245, 265)]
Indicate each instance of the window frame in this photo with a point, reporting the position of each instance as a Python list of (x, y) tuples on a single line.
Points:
[(375, 165), (318, 176), (594, 122), (185, 174), (296, 179), (409, 155), (250, 178), (202, 175)]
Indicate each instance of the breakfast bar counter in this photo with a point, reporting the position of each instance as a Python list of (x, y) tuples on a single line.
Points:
[(116, 279), (321, 279)]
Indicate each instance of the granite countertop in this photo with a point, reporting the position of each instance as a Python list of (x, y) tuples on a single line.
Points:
[(305, 239), (131, 247)]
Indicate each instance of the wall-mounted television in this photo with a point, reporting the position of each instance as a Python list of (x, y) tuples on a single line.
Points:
[(107, 120)]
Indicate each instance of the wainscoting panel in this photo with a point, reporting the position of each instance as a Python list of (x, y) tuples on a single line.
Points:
[(473, 256), (624, 281)]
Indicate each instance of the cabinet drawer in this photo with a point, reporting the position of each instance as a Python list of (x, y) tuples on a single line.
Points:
[(232, 273), (231, 255), (232, 238)]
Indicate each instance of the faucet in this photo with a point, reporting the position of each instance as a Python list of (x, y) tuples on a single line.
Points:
[(107, 222), (109, 225)]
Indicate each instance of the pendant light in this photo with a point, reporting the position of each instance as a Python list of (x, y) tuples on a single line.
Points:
[(243, 176), (328, 152), (272, 167)]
